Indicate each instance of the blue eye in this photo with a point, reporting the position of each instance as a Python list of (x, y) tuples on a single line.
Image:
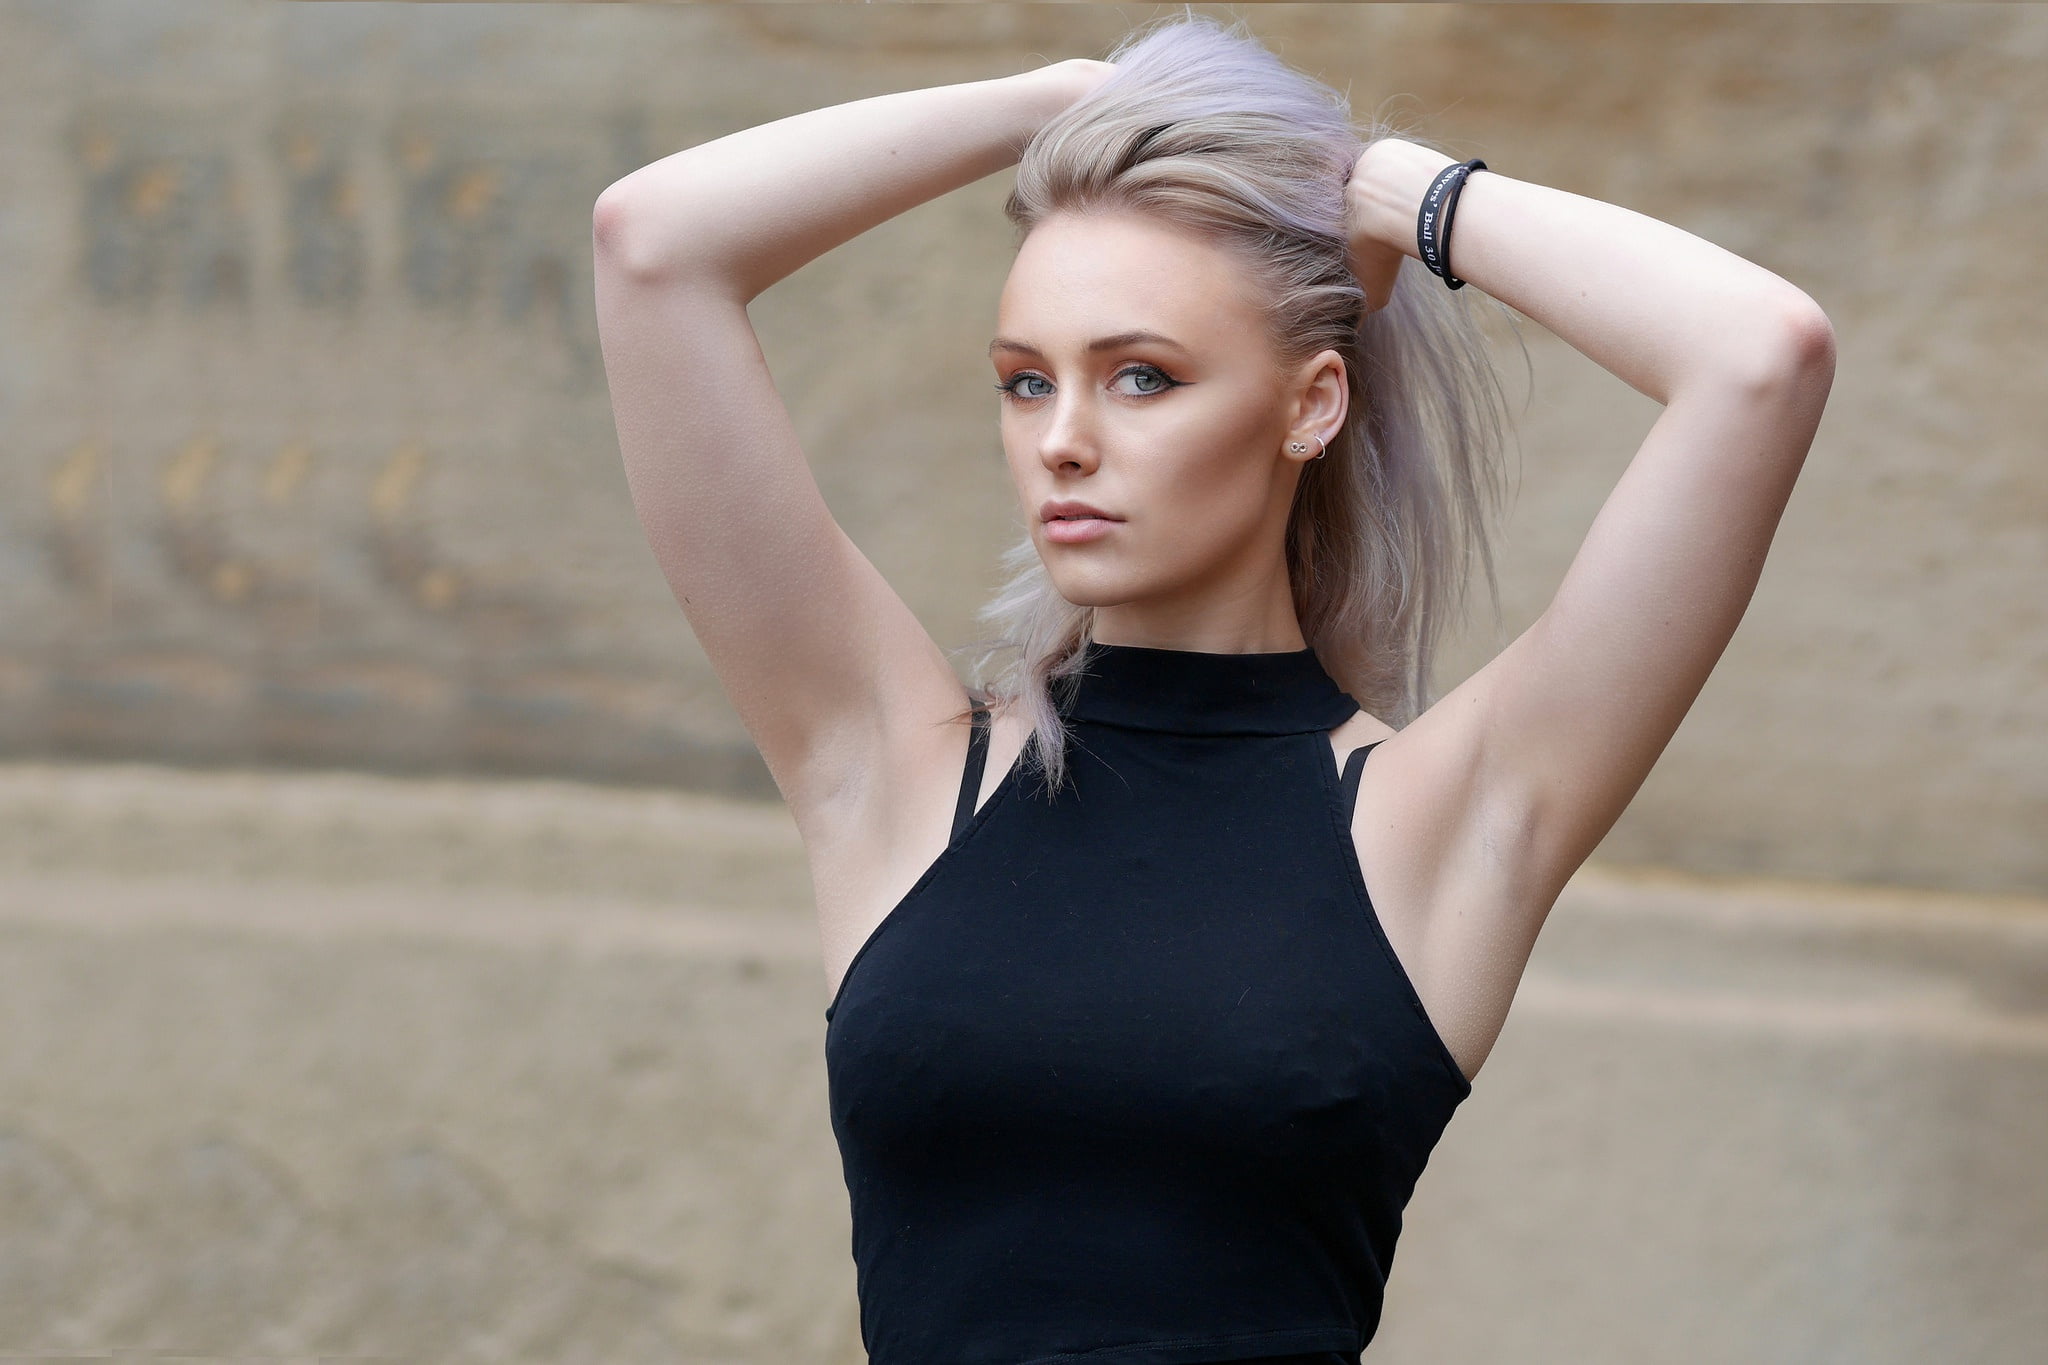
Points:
[(1010, 389), (1166, 381)]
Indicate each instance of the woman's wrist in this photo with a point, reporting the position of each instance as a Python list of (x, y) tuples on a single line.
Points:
[(1059, 85), (1387, 187)]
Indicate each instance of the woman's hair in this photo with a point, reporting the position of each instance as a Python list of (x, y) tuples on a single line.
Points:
[(1203, 127)]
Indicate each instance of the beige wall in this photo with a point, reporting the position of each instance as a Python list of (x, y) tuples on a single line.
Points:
[(306, 461), (307, 455), (350, 1066)]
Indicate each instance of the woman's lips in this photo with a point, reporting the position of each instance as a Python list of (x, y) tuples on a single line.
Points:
[(1074, 531)]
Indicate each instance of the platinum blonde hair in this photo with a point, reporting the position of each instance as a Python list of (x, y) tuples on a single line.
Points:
[(1202, 126)]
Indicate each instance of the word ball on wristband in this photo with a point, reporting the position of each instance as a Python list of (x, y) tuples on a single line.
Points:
[(1433, 222)]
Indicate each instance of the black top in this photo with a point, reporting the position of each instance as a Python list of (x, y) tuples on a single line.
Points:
[(1132, 1076)]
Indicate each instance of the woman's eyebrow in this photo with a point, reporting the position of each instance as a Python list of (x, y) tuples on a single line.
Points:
[(1108, 343)]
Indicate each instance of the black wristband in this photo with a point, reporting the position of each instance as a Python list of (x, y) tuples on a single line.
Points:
[(1433, 220)]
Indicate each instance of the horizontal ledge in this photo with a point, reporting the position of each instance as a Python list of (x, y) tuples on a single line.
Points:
[(311, 912), (1944, 1018), (1938, 1011)]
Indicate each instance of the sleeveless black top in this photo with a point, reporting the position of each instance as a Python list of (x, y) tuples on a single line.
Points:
[(1132, 1076)]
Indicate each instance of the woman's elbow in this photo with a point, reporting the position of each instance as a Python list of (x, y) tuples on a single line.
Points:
[(1806, 346), (629, 238), (1815, 346), (1788, 344), (618, 234)]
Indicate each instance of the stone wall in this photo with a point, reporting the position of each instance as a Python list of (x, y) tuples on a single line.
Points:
[(306, 461), (347, 1066), (307, 454)]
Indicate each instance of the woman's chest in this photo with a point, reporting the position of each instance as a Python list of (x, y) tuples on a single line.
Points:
[(1213, 973)]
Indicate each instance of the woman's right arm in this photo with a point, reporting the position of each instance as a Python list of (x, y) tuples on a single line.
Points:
[(757, 205), (833, 676)]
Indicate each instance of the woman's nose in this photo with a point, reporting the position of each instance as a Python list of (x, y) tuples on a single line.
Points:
[(1068, 438)]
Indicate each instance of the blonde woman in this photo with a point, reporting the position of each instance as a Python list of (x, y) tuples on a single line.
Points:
[(1149, 996)]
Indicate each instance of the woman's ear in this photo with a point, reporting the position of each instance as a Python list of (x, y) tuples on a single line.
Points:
[(1322, 396)]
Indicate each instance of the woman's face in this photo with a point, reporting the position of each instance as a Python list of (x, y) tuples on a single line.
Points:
[(1141, 381)]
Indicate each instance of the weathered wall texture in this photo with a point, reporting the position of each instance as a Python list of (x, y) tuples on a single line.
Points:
[(306, 459), (348, 1066), (305, 452)]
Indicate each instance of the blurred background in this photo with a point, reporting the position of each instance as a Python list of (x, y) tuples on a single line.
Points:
[(403, 952)]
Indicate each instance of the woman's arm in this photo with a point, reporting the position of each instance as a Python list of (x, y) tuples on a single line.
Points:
[(834, 678), (1541, 750), (757, 205), (1652, 304)]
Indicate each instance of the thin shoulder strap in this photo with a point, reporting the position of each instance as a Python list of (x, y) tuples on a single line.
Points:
[(970, 779), (1353, 766)]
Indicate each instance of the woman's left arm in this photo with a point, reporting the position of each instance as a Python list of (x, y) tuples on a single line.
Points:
[(1557, 733)]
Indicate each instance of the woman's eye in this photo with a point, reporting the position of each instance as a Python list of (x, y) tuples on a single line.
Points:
[(1160, 382), (1148, 372), (1012, 387)]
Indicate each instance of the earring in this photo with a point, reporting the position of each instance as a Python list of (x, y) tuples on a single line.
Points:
[(1301, 448)]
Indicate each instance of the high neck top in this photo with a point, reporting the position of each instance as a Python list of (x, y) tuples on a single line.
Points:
[(1131, 1075), (1195, 692)]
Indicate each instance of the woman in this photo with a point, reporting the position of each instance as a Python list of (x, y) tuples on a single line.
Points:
[(1140, 1073)]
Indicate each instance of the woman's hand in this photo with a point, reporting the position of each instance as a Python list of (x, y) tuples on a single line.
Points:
[(1083, 74), (1377, 266), (1380, 204), (1059, 85)]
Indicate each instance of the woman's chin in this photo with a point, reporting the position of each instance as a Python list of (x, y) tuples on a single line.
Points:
[(1081, 588)]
